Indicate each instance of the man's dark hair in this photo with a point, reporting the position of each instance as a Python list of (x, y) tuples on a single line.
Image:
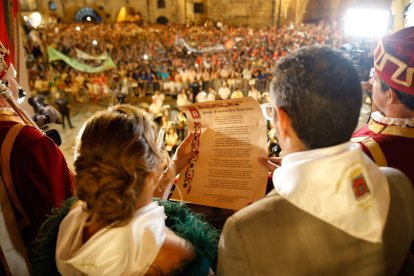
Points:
[(319, 88), (406, 99)]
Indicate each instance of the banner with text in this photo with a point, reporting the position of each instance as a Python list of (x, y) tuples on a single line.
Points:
[(54, 54)]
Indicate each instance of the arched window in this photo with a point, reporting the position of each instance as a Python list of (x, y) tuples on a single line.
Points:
[(52, 5), (87, 14), (161, 4)]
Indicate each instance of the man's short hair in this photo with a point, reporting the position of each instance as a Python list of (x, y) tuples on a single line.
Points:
[(319, 88)]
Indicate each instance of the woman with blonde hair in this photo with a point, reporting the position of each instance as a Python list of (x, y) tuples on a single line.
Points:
[(116, 228)]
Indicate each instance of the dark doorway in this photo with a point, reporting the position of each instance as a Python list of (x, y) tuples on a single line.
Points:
[(162, 20)]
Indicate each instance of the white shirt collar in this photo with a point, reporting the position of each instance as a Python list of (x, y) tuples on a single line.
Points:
[(338, 185), (401, 122)]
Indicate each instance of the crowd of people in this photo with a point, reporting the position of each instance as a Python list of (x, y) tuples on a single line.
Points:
[(332, 209), (166, 58), (184, 63)]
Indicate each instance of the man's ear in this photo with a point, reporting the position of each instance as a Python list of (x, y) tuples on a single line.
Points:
[(392, 97), (283, 121), (289, 140)]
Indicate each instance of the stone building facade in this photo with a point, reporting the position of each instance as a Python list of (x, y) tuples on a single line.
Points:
[(241, 12)]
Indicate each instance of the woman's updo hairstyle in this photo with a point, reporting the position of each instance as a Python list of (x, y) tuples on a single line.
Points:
[(115, 153)]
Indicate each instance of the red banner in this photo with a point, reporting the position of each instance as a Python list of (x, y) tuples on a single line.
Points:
[(8, 33), (5, 53)]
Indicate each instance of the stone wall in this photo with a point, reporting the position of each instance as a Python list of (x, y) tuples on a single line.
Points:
[(242, 12), (239, 12), (107, 9)]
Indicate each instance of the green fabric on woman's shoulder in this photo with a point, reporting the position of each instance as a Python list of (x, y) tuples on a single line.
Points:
[(180, 219), (43, 248), (191, 227)]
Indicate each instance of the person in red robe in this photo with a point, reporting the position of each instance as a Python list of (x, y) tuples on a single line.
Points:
[(388, 138), (41, 178)]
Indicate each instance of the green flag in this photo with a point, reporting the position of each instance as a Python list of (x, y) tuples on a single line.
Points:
[(54, 54)]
